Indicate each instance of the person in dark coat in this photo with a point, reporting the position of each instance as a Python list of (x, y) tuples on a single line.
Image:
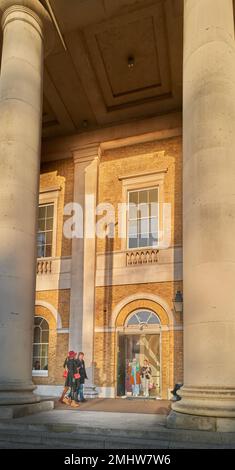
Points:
[(70, 364), (81, 368)]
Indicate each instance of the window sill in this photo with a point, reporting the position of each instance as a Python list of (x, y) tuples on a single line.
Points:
[(39, 373)]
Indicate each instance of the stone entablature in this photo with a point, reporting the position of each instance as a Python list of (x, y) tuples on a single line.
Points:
[(147, 265)]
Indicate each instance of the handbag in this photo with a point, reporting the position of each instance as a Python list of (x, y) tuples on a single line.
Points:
[(77, 376), (65, 374)]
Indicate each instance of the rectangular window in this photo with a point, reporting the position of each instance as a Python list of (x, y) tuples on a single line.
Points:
[(143, 218), (45, 230)]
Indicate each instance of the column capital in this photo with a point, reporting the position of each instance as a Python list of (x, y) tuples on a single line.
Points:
[(87, 153), (37, 11)]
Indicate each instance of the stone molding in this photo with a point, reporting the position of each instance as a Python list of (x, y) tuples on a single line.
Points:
[(87, 153), (52, 310), (35, 11), (142, 296)]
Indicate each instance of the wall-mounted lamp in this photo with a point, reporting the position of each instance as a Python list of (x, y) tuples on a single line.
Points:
[(178, 302)]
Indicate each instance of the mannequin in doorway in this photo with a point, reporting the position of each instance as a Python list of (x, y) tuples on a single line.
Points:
[(146, 373), (134, 371)]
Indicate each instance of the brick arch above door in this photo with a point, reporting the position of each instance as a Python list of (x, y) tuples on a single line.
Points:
[(142, 301)]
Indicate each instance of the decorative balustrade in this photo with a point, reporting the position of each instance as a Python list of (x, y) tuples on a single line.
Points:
[(44, 266), (141, 256)]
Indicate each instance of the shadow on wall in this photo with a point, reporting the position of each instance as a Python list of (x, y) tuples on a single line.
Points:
[(58, 174)]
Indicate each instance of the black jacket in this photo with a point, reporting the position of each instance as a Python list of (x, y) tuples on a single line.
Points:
[(82, 370)]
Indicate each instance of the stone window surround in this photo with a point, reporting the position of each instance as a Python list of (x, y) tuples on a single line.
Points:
[(137, 182), (51, 196)]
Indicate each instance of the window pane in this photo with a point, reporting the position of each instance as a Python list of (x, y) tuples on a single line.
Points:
[(143, 316), (133, 209), (153, 195), (133, 243), (143, 240), (48, 238), (50, 211), (44, 324), (40, 251), (143, 197), (49, 224), (41, 238), (133, 227), (153, 320), (153, 225), (153, 209), (143, 226), (44, 365), (153, 239), (37, 320), (45, 336), (36, 363), (36, 350), (143, 210), (133, 320), (42, 212), (133, 197), (37, 332), (48, 251), (44, 350), (41, 225)]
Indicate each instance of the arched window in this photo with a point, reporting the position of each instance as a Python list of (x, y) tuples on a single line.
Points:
[(40, 344), (142, 318)]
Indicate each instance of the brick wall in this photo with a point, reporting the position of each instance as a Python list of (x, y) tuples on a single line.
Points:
[(59, 173), (137, 159), (58, 343)]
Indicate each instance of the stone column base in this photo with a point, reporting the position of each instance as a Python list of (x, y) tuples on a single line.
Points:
[(204, 408), (200, 423), (18, 411), (17, 394)]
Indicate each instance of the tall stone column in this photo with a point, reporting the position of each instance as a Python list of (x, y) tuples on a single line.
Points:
[(208, 394), (23, 24), (82, 305)]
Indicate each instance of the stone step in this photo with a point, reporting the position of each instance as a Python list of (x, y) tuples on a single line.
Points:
[(75, 437)]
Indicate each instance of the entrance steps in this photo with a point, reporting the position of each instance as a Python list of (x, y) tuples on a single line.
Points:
[(74, 436)]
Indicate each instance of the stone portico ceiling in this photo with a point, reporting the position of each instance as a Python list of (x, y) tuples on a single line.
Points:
[(90, 83)]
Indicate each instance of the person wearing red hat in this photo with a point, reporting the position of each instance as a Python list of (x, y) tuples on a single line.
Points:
[(70, 365)]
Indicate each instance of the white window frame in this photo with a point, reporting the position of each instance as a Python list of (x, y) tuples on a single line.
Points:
[(41, 372), (133, 182), (51, 196), (128, 220)]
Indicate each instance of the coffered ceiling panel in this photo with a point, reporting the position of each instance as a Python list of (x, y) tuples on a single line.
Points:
[(121, 60)]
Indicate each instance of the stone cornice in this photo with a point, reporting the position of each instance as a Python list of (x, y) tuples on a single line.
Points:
[(146, 173), (120, 135)]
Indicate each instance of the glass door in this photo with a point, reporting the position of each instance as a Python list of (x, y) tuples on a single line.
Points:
[(133, 349)]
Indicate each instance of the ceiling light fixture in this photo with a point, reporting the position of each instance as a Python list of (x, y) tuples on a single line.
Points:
[(130, 62)]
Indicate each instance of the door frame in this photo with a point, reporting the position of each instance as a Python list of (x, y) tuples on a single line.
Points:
[(136, 331)]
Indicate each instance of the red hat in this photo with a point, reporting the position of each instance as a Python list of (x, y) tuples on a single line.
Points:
[(71, 354)]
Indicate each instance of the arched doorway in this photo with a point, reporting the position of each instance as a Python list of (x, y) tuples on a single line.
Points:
[(139, 339)]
